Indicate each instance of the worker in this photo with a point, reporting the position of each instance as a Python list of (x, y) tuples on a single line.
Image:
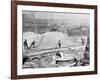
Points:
[(59, 44), (32, 44), (25, 44), (83, 41)]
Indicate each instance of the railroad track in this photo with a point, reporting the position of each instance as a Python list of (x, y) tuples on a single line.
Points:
[(47, 51)]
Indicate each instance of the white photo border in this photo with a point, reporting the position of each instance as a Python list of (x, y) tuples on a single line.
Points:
[(21, 71)]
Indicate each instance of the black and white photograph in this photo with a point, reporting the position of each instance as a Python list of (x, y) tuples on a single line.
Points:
[(55, 39)]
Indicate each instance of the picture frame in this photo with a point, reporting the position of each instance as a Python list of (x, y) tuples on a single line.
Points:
[(55, 10)]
